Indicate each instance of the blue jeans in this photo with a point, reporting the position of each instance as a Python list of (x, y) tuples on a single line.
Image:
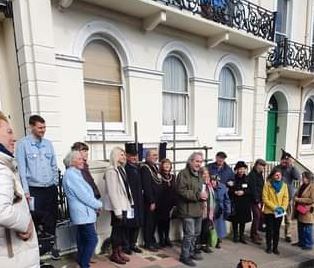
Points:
[(305, 235), (191, 230), (86, 239)]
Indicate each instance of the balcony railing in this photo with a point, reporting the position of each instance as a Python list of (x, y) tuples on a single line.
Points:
[(238, 14), (291, 54)]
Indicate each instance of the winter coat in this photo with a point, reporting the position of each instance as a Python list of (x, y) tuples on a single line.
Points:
[(15, 217), (225, 173), (167, 199), (222, 210), (307, 199), (80, 196), (289, 175), (256, 184), (188, 187), (271, 199), (135, 182), (115, 194), (240, 205)]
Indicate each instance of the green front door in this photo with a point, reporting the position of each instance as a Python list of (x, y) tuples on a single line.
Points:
[(272, 130)]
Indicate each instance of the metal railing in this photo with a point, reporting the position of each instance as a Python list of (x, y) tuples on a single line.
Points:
[(288, 53), (238, 14)]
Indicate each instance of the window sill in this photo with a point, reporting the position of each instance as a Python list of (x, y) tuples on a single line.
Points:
[(110, 137), (306, 152), (168, 137), (229, 138)]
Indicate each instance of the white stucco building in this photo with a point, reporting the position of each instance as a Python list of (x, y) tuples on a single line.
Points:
[(152, 61)]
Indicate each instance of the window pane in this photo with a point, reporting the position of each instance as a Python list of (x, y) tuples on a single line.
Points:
[(281, 19), (309, 115), (227, 87), (101, 62), (226, 110), (175, 78), (102, 98), (174, 108)]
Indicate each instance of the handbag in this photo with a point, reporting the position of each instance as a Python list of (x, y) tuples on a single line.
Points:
[(302, 209), (212, 238)]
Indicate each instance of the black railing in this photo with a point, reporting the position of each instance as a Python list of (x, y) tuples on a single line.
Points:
[(239, 14), (291, 54)]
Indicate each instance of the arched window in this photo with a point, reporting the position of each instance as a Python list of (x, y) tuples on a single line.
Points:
[(102, 83), (227, 100), (308, 122), (175, 94)]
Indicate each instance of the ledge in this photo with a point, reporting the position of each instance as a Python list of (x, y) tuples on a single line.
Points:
[(306, 152), (179, 137), (229, 138), (118, 137)]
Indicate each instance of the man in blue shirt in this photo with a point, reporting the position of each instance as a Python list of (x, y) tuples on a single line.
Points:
[(39, 175), (221, 168)]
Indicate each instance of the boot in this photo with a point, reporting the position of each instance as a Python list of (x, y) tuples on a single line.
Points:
[(115, 257), (235, 232), (242, 228), (122, 255), (168, 242)]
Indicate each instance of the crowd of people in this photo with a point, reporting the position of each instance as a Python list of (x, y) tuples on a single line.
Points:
[(143, 197)]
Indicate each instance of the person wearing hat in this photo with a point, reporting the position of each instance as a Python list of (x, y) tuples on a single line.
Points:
[(289, 175), (240, 197), (132, 170), (221, 168), (256, 184), (222, 208)]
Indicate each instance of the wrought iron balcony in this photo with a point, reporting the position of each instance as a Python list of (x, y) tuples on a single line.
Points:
[(6, 8), (291, 54), (239, 14)]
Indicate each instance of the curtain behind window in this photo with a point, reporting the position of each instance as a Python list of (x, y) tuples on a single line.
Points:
[(308, 122)]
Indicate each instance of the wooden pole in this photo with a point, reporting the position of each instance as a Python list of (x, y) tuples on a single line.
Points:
[(103, 135)]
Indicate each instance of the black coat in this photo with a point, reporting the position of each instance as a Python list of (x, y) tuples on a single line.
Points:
[(135, 182), (256, 185), (240, 205), (152, 184), (167, 198)]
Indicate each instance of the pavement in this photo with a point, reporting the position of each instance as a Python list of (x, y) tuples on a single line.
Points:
[(226, 257)]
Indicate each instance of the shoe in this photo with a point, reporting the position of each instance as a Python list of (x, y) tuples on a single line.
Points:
[(307, 248), (197, 250), (187, 262), (168, 243), (256, 241), (218, 245), (115, 257), (268, 251), (206, 249), (122, 255), (242, 240), (55, 255), (151, 248), (136, 249), (276, 251), (288, 239), (296, 244), (197, 257), (127, 251), (235, 239)]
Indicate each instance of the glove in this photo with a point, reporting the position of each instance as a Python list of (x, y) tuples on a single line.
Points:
[(279, 210)]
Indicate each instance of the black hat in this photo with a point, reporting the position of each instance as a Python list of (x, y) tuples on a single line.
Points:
[(240, 164), (221, 155), (285, 155), (130, 148)]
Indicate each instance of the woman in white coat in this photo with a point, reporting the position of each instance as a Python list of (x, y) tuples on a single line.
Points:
[(18, 240), (118, 200)]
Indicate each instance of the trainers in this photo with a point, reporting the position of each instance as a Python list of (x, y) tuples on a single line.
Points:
[(196, 257), (288, 239), (187, 262), (276, 251), (55, 255)]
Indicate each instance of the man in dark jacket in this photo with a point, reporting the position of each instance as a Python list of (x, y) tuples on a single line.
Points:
[(221, 168), (134, 178), (189, 207), (256, 184), (289, 175), (152, 183)]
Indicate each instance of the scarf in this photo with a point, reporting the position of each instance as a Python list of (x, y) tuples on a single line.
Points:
[(5, 151), (210, 204), (126, 183), (277, 185)]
